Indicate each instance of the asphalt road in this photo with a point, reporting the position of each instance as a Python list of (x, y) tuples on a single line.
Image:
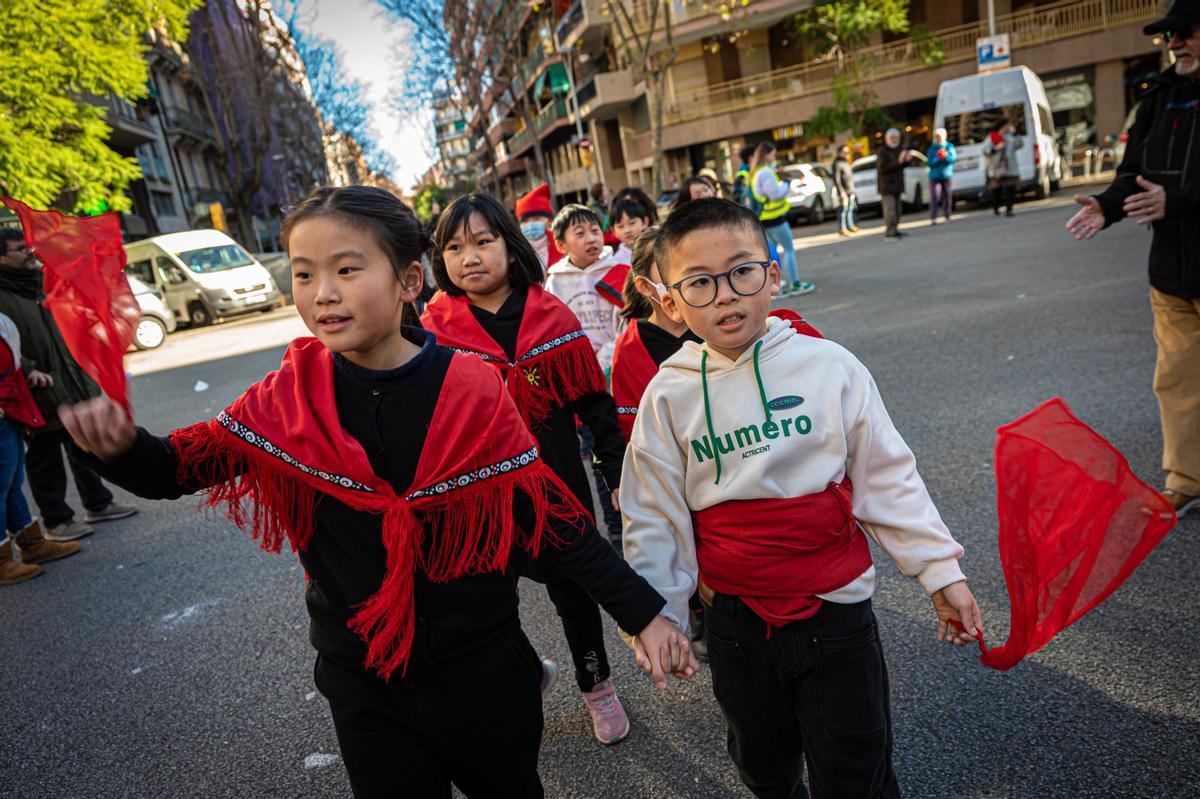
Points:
[(170, 659)]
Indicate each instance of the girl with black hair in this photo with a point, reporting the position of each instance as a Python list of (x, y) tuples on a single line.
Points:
[(403, 475), (493, 305), (634, 193), (696, 187)]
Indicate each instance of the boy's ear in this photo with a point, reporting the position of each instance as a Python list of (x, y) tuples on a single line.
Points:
[(671, 309), (774, 278)]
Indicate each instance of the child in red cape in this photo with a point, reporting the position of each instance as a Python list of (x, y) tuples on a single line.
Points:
[(404, 476), (492, 304)]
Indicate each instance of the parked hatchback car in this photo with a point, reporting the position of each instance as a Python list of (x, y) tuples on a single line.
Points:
[(157, 320), (916, 182), (810, 191)]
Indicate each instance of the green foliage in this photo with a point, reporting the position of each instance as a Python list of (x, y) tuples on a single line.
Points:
[(53, 53), (423, 204), (840, 26)]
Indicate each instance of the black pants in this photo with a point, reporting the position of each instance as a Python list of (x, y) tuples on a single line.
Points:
[(48, 479), (815, 692), (612, 517), (475, 721), (1004, 194), (584, 630)]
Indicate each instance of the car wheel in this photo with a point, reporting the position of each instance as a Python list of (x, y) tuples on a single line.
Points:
[(149, 334), (199, 315), (817, 215)]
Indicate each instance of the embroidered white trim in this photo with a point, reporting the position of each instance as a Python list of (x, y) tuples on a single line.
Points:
[(250, 437), (540, 349), (526, 458)]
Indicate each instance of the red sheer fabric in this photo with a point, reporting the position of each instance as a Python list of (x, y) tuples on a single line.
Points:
[(1075, 522), (86, 289)]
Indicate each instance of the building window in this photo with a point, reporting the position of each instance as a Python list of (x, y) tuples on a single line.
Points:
[(164, 203)]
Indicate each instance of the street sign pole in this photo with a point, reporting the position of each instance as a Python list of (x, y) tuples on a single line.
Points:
[(991, 17)]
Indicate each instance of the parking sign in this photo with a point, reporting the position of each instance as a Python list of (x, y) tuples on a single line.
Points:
[(991, 52)]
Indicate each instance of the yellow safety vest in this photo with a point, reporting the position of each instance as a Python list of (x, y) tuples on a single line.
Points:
[(771, 209)]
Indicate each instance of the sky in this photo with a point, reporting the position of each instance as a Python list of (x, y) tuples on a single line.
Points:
[(372, 47)]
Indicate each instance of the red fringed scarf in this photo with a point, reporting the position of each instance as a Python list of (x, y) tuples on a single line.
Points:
[(86, 289), (555, 363), (612, 286), (1075, 523), (276, 449)]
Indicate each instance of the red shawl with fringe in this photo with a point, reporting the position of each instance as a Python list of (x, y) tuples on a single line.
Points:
[(555, 363), (276, 449)]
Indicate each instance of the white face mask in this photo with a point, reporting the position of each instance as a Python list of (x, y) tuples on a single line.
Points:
[(534, 231)]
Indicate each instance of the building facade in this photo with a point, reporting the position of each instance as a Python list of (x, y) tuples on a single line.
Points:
[(742, 73)]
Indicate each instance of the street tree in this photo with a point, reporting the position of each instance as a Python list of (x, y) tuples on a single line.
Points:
[(839, 31), (55, 55)]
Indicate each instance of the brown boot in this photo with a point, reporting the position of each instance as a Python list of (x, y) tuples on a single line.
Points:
[(13, 572), (36, 548)]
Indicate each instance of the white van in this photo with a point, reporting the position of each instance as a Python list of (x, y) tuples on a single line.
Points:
[(203, 275), (968, 107)]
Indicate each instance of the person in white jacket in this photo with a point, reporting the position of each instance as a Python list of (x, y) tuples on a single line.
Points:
[(759, 463)]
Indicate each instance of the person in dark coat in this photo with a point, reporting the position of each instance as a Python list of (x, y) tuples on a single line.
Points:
[(56, 379), (890, 162)]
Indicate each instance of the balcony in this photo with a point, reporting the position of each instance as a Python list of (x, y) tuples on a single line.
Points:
[(583, 26), (127, 131), (571, 181), (1025, 29), (692, 20), (603, 94), (501, 129), (552, 116), (188, 124)]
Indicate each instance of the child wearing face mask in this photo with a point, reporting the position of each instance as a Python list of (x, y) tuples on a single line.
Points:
[(534, 214)]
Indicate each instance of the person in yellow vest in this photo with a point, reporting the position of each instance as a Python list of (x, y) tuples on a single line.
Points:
[(768, 198)]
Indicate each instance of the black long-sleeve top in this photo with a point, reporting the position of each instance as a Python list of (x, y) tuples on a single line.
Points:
[(556, 436), (389, 413)]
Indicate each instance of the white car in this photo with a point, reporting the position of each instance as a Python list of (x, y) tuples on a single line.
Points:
[(810, 191), (157, 320), (916, 182)]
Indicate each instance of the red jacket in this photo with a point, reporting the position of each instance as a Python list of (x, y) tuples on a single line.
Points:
[(16, 400)]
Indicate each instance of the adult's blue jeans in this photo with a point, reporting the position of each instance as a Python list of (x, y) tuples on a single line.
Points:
[(847, 212), (15, 509), (780, 235)]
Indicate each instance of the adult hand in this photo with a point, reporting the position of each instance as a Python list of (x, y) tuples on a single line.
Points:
[(663, 649), (1148, 206), (1088, 220), (955, 602), (38, 379), (99, 426), (616, 499)]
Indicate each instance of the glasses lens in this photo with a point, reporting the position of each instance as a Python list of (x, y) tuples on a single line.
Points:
[(748, 279), (699, 291)]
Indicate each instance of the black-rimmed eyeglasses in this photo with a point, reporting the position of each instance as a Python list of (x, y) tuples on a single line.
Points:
[(746, 279)]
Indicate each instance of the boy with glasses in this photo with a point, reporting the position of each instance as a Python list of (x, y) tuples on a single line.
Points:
[(759, 462)]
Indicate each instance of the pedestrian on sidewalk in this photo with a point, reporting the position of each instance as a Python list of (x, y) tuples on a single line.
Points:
[(741, 178), (19, 413), (774, 533), (1158, 184), (843, 189), (492, 304), (56, 379), (890, 162), (407, 481), (768, 197), (1003, 173), (940, 158)]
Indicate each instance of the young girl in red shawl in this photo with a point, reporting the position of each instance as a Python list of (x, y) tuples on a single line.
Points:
[(404, 476), (492, 304)]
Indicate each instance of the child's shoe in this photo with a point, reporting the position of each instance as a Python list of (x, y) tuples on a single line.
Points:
[(609, 721), (549, 676)]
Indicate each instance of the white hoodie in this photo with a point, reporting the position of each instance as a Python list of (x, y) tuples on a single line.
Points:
[(827, 421), (576, 287)]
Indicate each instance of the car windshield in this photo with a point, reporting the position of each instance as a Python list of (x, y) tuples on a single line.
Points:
[(972, 127), (215, 259)]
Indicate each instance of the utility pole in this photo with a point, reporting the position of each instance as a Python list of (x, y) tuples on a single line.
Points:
[(991, 17)]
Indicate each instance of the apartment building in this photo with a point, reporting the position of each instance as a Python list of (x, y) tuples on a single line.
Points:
[(453, 141), (744, 76)]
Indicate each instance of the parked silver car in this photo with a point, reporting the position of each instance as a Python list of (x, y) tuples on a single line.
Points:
[(916, 182), (810, 191), (157, 320)]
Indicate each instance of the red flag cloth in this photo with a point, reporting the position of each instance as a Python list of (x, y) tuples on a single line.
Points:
[(86, 289), (1075, 522)]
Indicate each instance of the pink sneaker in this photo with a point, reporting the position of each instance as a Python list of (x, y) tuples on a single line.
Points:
[(609, 721)]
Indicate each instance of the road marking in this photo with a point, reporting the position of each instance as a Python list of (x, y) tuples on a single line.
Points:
[(319, 760), (176, 617)]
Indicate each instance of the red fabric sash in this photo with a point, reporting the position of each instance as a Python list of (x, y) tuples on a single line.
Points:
[(86, 289), (16, 400), (612, 286), (632, 371), (555, 363), (272, 453), (778, 554)]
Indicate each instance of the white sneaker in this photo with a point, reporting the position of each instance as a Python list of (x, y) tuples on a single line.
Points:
[(69, 531)]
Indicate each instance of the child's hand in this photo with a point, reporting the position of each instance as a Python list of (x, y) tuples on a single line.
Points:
[(99, 426), (662, 648), (38, 379), (955, 602), (616, 499)]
